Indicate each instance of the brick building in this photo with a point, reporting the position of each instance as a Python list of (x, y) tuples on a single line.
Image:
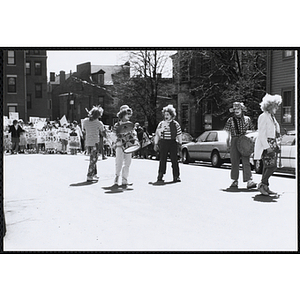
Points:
[(71, 94), (25, 83)]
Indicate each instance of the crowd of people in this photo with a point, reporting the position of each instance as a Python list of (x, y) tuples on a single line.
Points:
[(52, 137), (94, 138)]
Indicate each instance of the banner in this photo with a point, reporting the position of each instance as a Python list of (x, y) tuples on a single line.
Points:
[(41, 136), (7, 121), (39, 125), (74, 142), (14, 115), (51, 139), (37, 122), (31, 135)]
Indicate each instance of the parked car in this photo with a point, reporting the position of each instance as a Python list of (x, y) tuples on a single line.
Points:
[(186, 138), (209, 146), (287, 157)]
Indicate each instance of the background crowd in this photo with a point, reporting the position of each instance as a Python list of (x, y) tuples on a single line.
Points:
[(68, 138)]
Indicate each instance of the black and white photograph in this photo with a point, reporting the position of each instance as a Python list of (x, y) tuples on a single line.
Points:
[(150, 149)]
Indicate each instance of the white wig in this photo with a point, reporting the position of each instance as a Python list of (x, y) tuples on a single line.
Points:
[(268, 101), (170, 109)]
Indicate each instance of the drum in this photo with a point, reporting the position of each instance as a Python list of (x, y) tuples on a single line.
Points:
[(245, 145), (125, 127), (130, 142)]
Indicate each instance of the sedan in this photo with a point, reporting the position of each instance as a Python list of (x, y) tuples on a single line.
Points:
[(209, 146), (286, 158)]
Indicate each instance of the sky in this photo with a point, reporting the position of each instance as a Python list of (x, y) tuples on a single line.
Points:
[(68, 60)]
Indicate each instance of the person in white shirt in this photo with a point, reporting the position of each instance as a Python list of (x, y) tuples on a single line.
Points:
[(266, 147)]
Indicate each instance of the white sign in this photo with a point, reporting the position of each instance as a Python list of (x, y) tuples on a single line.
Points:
[(35, 120), (39, 125), (63, 121), (14, 115)]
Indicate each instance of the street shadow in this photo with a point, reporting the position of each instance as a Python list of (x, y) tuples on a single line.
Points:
[(265, 199), (84, 183), (156, 183), (113, 189), (237, 190)]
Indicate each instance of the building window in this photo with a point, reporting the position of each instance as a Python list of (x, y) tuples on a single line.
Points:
[(288, 53), (38, 90), (38, 68), (11, 84), (185, 117), (12, 108), (101, 79), (37, 52), (52, 76), (29, 103), (287, 107), (101, 101), (28, 68), (11, 57)]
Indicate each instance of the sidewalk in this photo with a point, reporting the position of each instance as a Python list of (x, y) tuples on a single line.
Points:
[(49, 206)]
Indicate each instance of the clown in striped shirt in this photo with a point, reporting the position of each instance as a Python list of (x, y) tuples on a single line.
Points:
[(168, 135)]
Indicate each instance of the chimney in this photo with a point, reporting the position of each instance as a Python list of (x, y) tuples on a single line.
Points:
[(52, 76), (62, 77)]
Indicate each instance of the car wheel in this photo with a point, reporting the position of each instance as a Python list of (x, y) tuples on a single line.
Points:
[(216, 159), (258, 166), (185, 156)]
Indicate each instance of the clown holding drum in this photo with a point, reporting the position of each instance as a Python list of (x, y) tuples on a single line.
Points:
[(126, 142)]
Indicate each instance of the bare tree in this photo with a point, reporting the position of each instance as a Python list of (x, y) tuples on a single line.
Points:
[(219, 77), (140, 91)]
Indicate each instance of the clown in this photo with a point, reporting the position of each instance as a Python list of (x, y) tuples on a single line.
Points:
[(123, 160), (169, 136), (236, 126), (92, 128)]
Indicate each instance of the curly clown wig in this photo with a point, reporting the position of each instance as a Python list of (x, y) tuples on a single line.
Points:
[(170, 109), (269, 101)]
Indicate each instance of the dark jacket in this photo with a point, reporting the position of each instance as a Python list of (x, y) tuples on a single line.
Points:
[(15, 133)]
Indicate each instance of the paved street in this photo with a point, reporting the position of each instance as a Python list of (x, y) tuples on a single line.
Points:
[(49, 206)]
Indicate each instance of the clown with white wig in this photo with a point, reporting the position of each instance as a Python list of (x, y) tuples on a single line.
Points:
[(266, 147), (168, 137)]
